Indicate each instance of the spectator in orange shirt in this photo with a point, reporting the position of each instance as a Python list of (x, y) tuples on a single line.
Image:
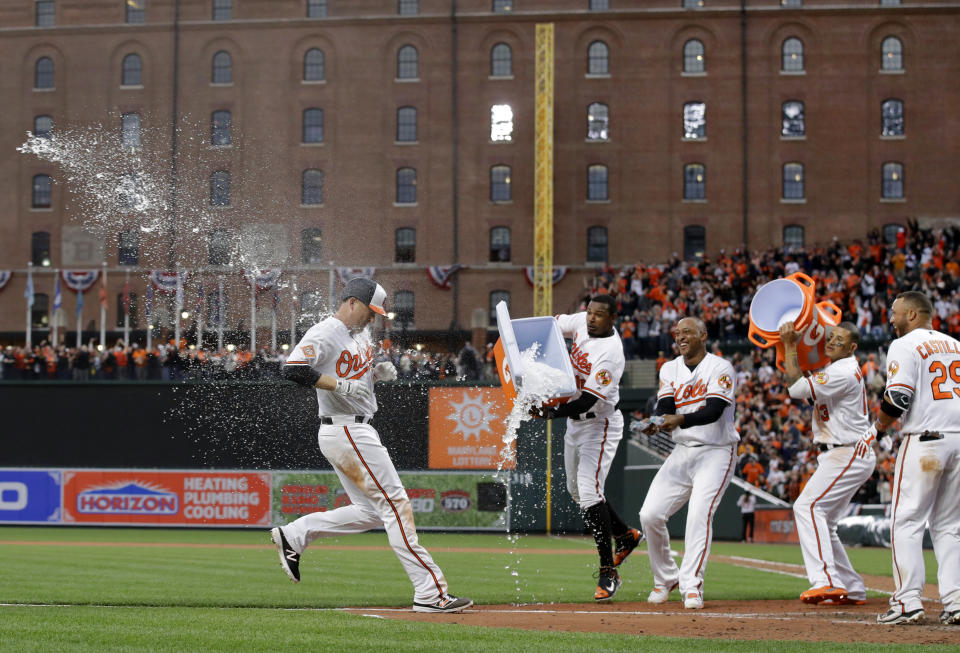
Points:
[(752, 471)]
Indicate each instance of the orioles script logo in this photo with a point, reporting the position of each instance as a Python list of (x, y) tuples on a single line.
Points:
[(352, 366), (698, 389), (580, 359)]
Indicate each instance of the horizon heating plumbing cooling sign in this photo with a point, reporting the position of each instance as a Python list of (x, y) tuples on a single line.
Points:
[(161, 498)]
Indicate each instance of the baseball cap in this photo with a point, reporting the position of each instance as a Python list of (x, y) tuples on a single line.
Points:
[(368, 291)]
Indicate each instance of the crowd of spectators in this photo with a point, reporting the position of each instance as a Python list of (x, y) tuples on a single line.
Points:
[(861, 278)]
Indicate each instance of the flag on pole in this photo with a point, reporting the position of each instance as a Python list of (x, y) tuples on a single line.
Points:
[(179, 295), (149, 305), (126, 297), (57, 298), (200, 298), (28, 292)]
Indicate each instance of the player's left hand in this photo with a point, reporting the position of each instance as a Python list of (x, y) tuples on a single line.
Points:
[(671, 422), (865, 443), (385, 371)]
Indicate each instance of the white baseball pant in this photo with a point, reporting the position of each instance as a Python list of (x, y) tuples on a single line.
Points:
[(699, 475), (822, 503), (377, 497), (926, 489), (589, 447)]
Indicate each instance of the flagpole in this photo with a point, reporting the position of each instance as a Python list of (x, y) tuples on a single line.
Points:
[(149, 314), (126, 310), (200, 316), (253, 313), (220, 313), (28, 295), (56, 305), (103, 308), (273, 317), (293, 313), (178, 299), (79, 317)]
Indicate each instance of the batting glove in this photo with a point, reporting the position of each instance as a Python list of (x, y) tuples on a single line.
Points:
[(355, 389), (384, 371), (886, 443), (866, 442)]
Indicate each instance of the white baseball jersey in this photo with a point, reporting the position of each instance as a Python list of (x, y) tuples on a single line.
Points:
[(839, 399), (329, 348), (597, 362), (712, 377), (925, 365)]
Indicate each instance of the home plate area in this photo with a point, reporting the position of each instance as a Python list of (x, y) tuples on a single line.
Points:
[(738, 620)]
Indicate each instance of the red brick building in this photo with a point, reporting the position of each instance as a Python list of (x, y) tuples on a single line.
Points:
[(398, 134)]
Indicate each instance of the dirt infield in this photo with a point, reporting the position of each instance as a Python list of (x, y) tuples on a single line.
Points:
[(738, 620)]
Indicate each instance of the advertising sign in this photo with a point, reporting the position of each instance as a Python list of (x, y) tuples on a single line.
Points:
[(440, 500), (775, 525), (178, 498), (29, 496), (467, 426)]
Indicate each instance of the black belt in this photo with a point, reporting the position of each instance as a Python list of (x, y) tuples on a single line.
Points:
[(357, 419), (577, 418), (928, 436), (827, 447)]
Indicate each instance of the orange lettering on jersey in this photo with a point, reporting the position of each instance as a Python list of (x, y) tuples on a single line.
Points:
[(353, 365), (930, 351), (698, 389), (920, 351), (580, 359)]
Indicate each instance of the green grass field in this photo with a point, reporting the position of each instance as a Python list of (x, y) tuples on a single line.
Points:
[(230, 594)]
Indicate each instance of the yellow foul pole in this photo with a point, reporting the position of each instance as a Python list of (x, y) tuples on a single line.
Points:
[(543, 200)]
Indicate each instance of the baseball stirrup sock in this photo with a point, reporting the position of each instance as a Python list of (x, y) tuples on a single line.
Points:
[(617, 525), (597, 518)]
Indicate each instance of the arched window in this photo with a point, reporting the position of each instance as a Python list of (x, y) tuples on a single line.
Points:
[(497, 296), (405, 248), (406, 186), (694, 57), (598, 59), (501, 60), (792, 55), (500, 183), (793, 182), (499, 244), (793, 119), (222, 68), (313, 66), (43, 73), (408, 63), (694, 242), (694, 181), (42, 191), (220, 128), (311, 191), (313, 125), (42, 126), (892, 180), (406, 125), (311, 246), (130, 134), (598, 122), (597, 245), (597, 183), (695, 120), (403, 307), (40, 248), (793, 237), (891, 54), (891, 117), (220, 188), (132, 74)]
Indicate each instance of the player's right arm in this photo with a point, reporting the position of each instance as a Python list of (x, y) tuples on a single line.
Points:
[(901, 383), (570, 323), (791, 365)]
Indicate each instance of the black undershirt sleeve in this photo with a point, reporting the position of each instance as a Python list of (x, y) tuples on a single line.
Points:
[(709, 414), (578, 406), (300, 374), (890, 409), (666, 406)]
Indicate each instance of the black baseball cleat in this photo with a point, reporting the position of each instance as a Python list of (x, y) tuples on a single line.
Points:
[(607, 584), (895, 616), (289, 559), (445, 604), (625, 544), (949, 617)]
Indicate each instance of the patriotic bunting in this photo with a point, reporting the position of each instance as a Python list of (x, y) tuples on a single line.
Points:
[(442, 275), (264, 279), (165, 281), (559, 272), (345, 274), (79, 280), (4, 277)]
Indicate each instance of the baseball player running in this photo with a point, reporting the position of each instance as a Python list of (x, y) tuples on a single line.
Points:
[(923, 389), (594, 430), (696, 397), (839, 399), (336, 357)]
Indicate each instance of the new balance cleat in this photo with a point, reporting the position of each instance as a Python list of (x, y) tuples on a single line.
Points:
[(693, 601), (626, 543), (289, 558), (661, 594), (895, 616), (607, 584), (819, 594), (445, 604)]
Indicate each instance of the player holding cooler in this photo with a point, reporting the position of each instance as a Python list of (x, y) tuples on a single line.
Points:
[(839, 399), (923, 388), (696, 398), (594, 430), (336, 357)]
